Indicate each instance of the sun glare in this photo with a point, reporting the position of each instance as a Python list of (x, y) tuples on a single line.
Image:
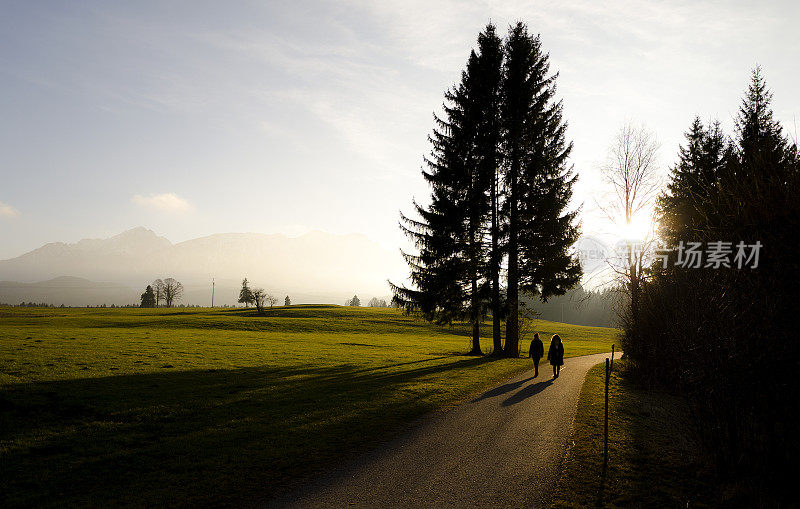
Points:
[(639, 229)]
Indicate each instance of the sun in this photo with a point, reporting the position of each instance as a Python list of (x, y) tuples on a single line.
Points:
[(638, 229)]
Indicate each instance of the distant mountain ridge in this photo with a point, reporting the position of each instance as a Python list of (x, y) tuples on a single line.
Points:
[(317, 265), (135, 241), (67, 290)]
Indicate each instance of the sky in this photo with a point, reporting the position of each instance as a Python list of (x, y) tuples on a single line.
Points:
[(193, 118)]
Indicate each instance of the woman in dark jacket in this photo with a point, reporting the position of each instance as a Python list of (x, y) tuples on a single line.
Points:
[(556, 354)]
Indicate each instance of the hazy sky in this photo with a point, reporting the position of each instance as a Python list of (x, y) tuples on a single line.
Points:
[(194, 117)]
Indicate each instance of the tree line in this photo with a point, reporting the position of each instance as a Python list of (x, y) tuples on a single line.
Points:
[(48, 305), (578, 306), (500, 185), (374, 302), (722, 334)]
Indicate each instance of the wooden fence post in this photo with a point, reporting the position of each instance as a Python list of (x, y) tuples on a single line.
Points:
[(605, 426)]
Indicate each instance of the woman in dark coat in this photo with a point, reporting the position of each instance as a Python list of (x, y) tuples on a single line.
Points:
[(535, 352), (556, 354)]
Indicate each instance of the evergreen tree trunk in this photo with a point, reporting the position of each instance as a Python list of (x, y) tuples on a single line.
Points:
[(475, 316), (512, 318), (495, 272)]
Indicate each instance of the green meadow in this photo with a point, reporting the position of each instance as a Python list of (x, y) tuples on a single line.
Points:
[(220, 406)]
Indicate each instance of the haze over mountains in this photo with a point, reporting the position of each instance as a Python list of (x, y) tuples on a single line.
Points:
[(315, 267)]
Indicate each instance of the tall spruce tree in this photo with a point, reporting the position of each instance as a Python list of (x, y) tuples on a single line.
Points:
[(538, 180), (766, 158), (488, 149), (449, 271), (684, 209)]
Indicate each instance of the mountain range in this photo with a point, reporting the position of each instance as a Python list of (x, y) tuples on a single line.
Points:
[(316, 267)]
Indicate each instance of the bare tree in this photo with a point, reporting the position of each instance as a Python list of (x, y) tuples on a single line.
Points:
[(377, 303), (527, 321), (158, 289), (173, 291), (632, 172), (259, 296)]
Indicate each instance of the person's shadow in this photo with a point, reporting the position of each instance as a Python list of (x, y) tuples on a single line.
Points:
[(527, 392), (502, 389)]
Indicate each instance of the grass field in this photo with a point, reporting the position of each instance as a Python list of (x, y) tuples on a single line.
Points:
[(654, 460), (219, 406)]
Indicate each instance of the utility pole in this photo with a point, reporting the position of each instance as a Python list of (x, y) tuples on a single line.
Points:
[(212, 292)]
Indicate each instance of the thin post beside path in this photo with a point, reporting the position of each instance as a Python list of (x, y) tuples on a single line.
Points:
[(605, 426)]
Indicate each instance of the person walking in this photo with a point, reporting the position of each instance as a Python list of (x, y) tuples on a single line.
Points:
[(556, 354), (535, 353)]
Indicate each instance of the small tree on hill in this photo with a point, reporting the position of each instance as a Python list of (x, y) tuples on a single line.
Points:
[(355, 301), (148, 298), (259, 296), (287, 301), (246, 296)]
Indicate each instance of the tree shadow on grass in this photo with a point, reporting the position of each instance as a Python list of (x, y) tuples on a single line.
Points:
[(203, 437)]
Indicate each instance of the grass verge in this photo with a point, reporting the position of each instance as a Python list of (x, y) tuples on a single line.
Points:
[(654, 460)]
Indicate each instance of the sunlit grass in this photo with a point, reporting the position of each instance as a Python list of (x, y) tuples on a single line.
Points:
[(200, 406)]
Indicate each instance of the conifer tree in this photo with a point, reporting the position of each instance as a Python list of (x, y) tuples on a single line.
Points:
[(502, 134), (684, 208), (488, 149), (756, 198), (449, 272), (715, 177), (148, 298), (538, 180), (765, 157), (246, 296)]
